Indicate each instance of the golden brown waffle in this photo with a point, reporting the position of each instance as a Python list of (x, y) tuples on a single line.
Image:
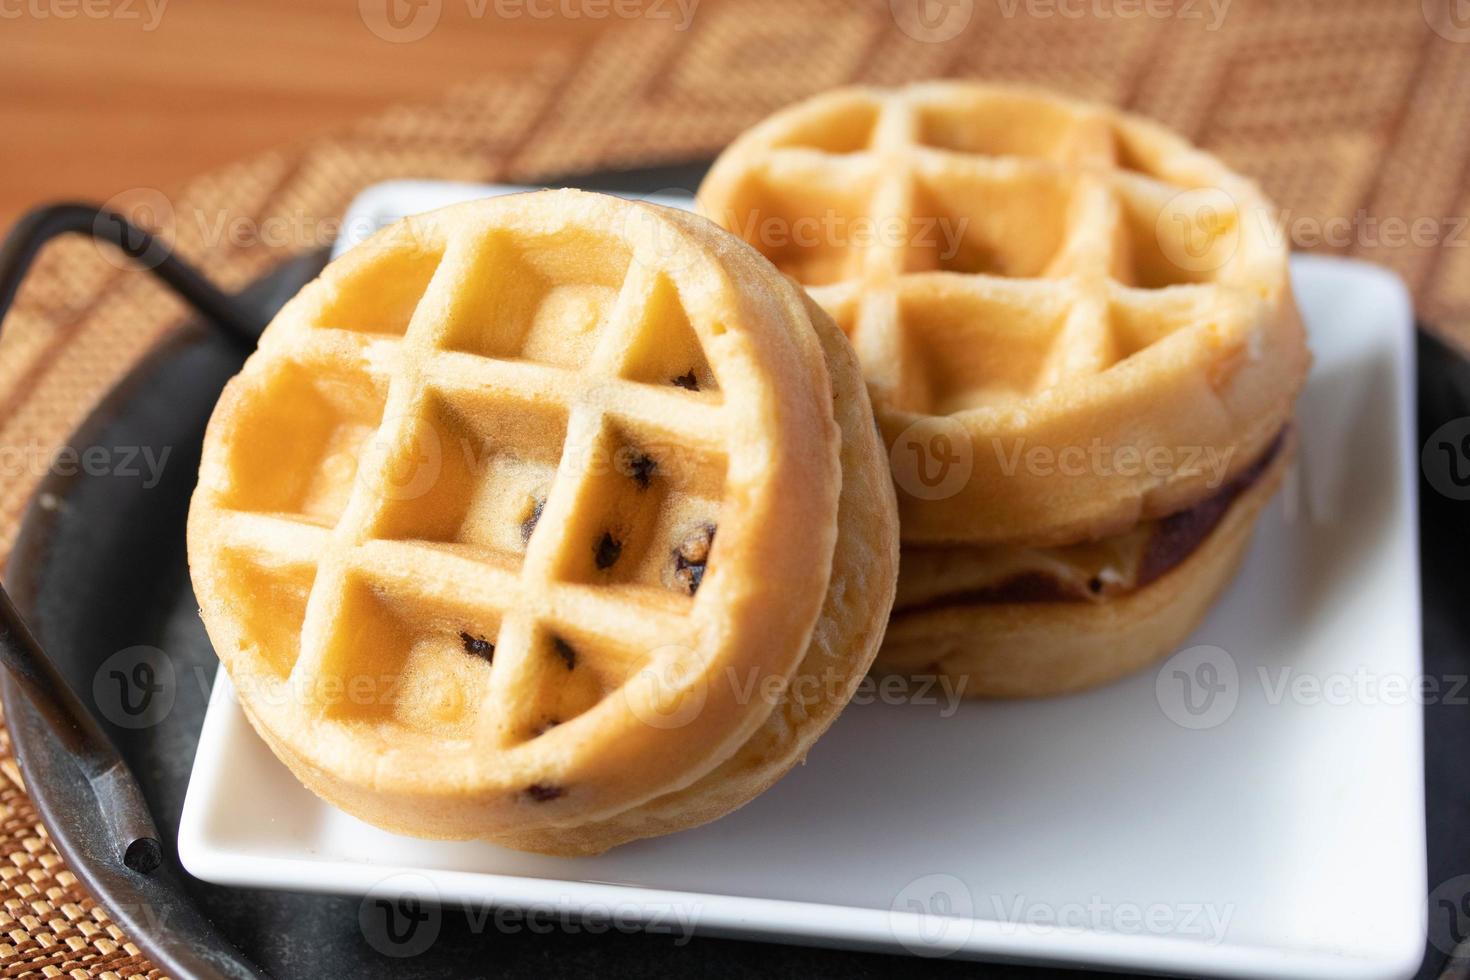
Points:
[(1263, 90), (854, 615), (1021, 273), (512, 505), (1096, 611)]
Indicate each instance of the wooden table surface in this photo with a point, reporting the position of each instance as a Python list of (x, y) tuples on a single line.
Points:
[(145, 93)]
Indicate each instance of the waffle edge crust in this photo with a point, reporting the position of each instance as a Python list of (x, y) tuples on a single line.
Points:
[(553, 519), (1017, 649), (1024, 274)]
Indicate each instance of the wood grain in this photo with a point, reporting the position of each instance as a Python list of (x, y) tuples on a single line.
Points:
[(147, 96)]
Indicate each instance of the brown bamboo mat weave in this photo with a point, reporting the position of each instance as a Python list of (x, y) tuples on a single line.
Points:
[(1351, 113)]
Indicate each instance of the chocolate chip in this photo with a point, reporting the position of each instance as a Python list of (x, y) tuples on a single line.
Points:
[(607, 551), (529, 524), (688, 381), (1095, 585), (542, 793), (565, 651), (691, 557), (479, 646), (641, 468), (694, 549), (689, 577)]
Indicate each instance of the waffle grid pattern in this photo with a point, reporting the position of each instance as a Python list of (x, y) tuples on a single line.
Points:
[(554, 580), (1264, 91), (950, 217)]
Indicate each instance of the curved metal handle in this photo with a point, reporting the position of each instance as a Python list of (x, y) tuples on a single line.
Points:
[(35, 229), (118, 795), (135, 836)]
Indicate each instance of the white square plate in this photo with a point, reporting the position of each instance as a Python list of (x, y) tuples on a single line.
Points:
[(1252, 807)]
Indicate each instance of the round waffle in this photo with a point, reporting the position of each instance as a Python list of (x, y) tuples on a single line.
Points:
[(1062, 311), (1026, 622), (517, 504), (854, 615)]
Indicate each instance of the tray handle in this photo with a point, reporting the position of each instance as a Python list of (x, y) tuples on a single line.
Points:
[(119, 798)]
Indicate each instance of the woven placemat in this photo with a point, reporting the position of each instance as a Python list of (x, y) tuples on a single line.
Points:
[(1349, 112)]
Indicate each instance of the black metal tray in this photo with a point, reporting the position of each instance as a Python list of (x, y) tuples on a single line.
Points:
[(99, 575)]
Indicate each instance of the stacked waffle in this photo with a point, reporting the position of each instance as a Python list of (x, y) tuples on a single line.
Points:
[(551, 519), (561, 520), (1081, 347)]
